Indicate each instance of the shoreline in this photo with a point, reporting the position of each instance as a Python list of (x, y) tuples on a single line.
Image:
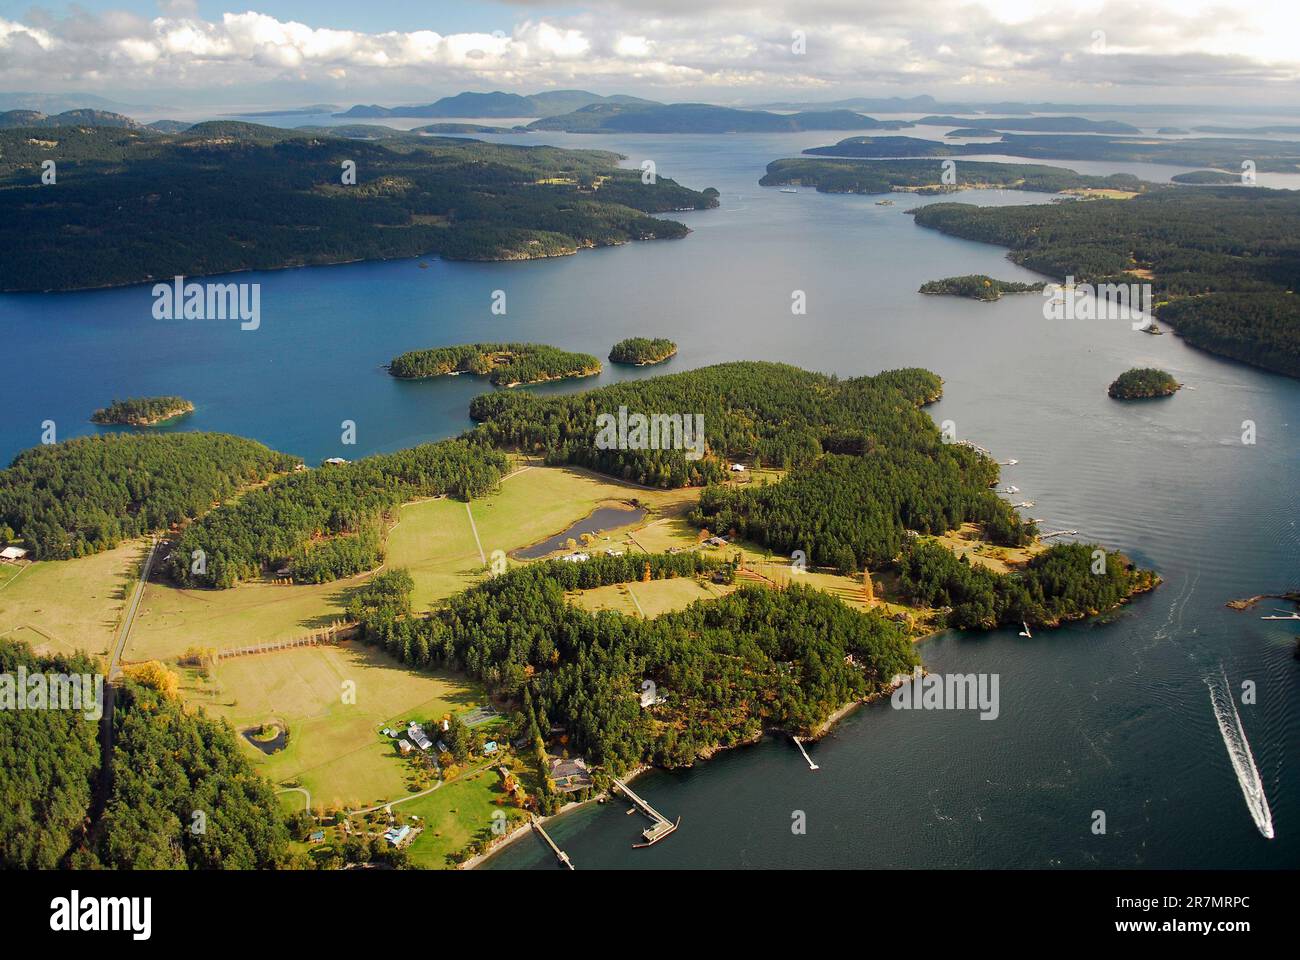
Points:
[(527, 826)]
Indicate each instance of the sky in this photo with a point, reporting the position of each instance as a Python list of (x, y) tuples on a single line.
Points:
[(293, 52)]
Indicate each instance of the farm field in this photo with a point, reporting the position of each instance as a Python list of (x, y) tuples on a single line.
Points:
[(60, 606), (334, 750)]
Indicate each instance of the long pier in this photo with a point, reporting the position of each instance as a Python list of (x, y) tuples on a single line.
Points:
[(660, 826), (559, 854), (1058, 533), (799, 743)]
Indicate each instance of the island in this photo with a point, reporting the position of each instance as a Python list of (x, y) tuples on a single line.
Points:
[(647, 117), (142, 411), (380, 194), (928, 177), (1223, 153), (642, 351), (977, 286), (1142, 383), (535, 671), (1213, 256), (504, 364)]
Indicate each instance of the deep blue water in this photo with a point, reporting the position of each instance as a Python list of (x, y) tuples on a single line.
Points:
[(1111, 716)]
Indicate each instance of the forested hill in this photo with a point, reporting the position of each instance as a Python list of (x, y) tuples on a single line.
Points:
[(85, 495), (730, 668), (168, 766), (254, 197), (1224, 261)]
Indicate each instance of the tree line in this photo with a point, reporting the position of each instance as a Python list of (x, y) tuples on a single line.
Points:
[(323, 524)]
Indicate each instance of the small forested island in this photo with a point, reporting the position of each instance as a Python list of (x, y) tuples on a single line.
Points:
[(413, 195), (642, 351), (1142, 383), (142, 411), (977, 286), (504, 364)]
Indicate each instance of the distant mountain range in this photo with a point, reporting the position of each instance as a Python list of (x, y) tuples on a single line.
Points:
[(497, 104)]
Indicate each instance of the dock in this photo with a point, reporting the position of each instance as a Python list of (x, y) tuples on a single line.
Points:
[(660, 826), (560, 855), (799, 743), (1058, 533)]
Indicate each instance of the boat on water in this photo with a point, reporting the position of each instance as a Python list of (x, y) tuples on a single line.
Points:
[(789, 190), (1152, 328), (1025, 632), (1283, 616), (1012, 462), (1011, 489), (884, 203)]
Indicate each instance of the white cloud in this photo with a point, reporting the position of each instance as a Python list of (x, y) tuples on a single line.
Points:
[(726, 49)]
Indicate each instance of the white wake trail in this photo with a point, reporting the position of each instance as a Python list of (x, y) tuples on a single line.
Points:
[(1243, 761)]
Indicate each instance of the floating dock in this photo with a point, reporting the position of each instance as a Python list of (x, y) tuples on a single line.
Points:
[(660, 826)]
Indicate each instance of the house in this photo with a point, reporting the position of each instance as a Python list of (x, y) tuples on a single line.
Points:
[(317, 836), (416, 735), (614, 553), (737, 468), (335, 461), (12, 554), (576, 557), (570, 775), (396, 835), (489, 748), (716, 541), (404, 746)]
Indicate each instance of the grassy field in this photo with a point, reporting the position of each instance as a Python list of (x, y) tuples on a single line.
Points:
[(648, 599), (64, 605), (455, 813), (335, 750), (170, 620)]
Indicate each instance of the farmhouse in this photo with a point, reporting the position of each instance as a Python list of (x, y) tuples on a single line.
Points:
[(737, 468), (12, 554), (576, 557), (404, 746), (396, 835), (416, 734)]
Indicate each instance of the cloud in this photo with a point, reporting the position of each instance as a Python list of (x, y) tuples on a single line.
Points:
[(729, 49)]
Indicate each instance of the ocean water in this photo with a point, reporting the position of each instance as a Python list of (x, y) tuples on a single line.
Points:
[(1112, 716)]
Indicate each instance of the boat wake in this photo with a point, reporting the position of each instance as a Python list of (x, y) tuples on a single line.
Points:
[(1243, 762)]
